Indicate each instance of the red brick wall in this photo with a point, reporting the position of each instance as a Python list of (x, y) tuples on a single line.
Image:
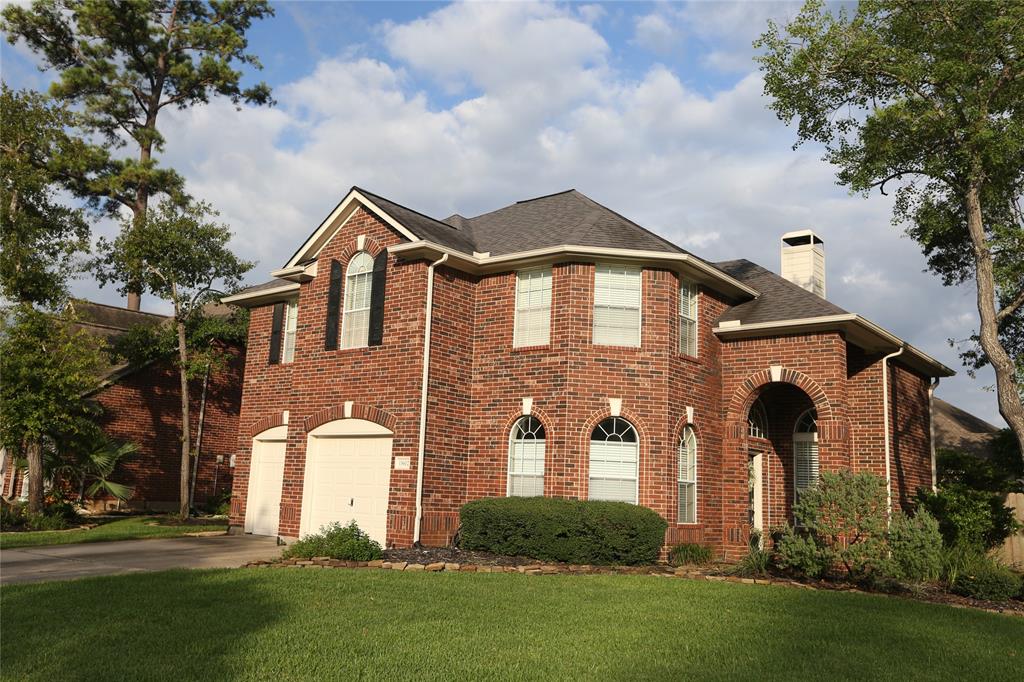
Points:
[(911, 438), (144, 407), (478, 381)]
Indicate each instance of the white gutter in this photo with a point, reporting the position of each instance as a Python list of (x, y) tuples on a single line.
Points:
[(482, 264), (931, 431), (421, 450), (885, 407), (253, 297)]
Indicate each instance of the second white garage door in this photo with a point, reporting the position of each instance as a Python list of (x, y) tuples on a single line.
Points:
[(348, 477)]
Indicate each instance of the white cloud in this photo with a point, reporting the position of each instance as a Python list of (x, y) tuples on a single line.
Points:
[(538, 109), (653, 31)]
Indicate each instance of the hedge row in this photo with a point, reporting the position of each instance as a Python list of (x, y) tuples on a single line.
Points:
[(573, 531)]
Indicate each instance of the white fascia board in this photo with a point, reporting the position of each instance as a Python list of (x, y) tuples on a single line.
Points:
[(691, 266), (249, 299), (298, 273), (859, 330), (332, 223)]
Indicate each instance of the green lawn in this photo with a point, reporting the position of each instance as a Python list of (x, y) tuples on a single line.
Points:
[(370, 624), (132, 528)]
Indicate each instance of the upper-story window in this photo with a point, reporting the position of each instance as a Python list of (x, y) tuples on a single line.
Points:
[(533, 308), (355, 322), (282, 332), (291, 320), (617, 305), (688, 318)]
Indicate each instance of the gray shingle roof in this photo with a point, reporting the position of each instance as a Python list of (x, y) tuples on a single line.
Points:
[(556, 219), (780, 299), (424, 226)]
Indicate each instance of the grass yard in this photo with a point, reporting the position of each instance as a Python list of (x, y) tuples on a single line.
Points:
[(338, 624), (131, 528)]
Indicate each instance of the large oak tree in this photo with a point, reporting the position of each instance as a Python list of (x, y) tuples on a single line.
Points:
[(926, 98)]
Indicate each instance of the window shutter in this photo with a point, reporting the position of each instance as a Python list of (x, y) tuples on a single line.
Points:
[(275, 334), (333, 307), (380, 269)]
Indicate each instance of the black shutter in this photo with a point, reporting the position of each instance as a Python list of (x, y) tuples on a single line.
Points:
[(380, 269), (333, 307), (275, 334)]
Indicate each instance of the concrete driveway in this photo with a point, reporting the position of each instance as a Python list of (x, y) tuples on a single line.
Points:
[(63, 562)]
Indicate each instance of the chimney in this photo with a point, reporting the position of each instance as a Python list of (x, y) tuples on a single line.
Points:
[(803, 260)]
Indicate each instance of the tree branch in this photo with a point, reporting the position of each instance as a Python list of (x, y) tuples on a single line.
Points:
[(1010, 308)]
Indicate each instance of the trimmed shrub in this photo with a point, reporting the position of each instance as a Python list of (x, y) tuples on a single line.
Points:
[(987, 579), (689, 553), (338, 542), (754, 564), (916, 547), (969, 517), (799, 553), (573, 531)]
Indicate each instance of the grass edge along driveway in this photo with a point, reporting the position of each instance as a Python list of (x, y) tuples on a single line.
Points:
[(129, 528), (306, 624)]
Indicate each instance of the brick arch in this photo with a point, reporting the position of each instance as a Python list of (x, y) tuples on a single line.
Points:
[(677, 430), (359, 411), (264, 423), (748, 391), (535, 411), (597, 417), (370, 246)]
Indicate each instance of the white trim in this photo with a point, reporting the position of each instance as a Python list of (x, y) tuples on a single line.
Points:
[(325, 232), (888, 438), (696, 475), (615, 406), (527, 406), (776, 372), (275, 434), (348, 408), (299, 273), (284, 416), (253, 297), (692, 267), (860, 331), (689, 414)]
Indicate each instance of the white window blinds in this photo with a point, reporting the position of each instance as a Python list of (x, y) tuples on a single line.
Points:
[(355, 323), (533, 308), (805, 451), (614, 457), (688, 318), (526, 458), (617, 305), (688, 477), (291, 318)]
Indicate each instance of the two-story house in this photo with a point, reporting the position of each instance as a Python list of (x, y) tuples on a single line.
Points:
[(399, 366)]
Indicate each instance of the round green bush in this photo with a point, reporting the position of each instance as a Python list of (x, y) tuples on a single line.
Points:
[(338, 542), (916, 546), (988, 580), (573, 531)]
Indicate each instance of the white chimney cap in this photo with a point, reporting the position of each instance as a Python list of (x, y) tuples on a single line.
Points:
[(801, 237)]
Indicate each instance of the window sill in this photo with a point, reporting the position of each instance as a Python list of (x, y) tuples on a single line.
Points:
[(616, 347), (531, 349), (687, 357)]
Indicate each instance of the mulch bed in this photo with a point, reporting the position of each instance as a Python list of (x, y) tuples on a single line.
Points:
[(430, 555)]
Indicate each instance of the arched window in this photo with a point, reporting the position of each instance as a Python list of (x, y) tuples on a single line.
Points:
[(805, 451), (526, 458), (757, 420), (355, 324), (688, 476), (614, 457)]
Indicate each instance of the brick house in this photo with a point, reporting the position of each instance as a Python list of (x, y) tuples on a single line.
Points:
[(400, 366), (142, 404)]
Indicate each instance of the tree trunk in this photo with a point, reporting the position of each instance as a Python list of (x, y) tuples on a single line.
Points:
[(186, 447), (199, 438), (1007, 391), (35, 476)]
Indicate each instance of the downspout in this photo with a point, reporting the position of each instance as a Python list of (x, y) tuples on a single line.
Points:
[(931, 430), (423, 399), (888, 439)]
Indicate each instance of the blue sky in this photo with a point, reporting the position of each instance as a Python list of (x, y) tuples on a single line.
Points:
[(654, 109)]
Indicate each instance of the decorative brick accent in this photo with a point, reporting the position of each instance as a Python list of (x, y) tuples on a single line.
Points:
[(359, 411), (266, 423)]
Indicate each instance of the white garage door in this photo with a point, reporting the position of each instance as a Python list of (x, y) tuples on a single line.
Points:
[(348, 477), (266, 471)]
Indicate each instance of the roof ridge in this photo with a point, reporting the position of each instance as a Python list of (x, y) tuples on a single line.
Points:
[(544, 196), (116, 307)]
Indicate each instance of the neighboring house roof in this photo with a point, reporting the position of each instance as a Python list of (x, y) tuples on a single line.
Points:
[(957, 429), (109, 322)]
